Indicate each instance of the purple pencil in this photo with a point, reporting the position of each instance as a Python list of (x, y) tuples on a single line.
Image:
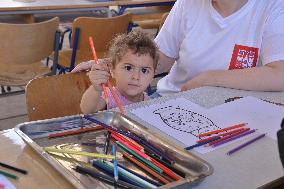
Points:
[(245, 144), (234, 138)]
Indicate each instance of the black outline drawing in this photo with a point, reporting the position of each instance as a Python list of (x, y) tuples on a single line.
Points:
[(185, 120)]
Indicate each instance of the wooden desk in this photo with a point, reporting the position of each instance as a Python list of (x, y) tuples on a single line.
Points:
[(28, 9), (124, 4), (251, 169), (41, 175)]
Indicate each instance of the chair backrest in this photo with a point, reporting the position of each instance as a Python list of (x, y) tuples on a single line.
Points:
[(27, 43), (102, 30), (55, 96)]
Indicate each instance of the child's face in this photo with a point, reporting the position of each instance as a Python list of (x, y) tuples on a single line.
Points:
[(133, 74)]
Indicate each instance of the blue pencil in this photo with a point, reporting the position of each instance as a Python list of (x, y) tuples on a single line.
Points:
[(201, 143), (115, 169)]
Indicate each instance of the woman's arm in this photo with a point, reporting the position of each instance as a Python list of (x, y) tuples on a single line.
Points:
[(269, 77), (164, 64)]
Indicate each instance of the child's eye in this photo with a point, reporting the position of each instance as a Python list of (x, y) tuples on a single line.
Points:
[(128, 67), (144, 70)]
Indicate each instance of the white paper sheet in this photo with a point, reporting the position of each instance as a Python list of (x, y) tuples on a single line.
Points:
[(184, 120), (179, 118), (263, 116)]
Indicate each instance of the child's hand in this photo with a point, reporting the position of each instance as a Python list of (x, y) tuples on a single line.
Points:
[(99, 74)]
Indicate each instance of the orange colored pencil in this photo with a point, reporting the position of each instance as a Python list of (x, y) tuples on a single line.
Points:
[(96, 60), (222, 130), (220, 135), (109, 84), (226, 137)]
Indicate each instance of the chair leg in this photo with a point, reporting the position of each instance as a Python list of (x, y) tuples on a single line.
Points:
[(3, 89)]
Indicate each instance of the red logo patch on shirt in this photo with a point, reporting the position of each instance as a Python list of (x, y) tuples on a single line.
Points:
[(243, 57)]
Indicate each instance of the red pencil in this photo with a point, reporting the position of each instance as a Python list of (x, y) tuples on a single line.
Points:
[(109, 84), (220, 135), (76, 132), (123, 139), (96, 59), (222, 130)]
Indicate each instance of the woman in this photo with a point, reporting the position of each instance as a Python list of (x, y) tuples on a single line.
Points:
[(235, 44)]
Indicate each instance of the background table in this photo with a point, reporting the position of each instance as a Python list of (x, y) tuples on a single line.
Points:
[(250, 168), (28, 9)]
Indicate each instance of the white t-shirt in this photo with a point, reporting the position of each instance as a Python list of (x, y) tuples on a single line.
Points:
[(200, 39)]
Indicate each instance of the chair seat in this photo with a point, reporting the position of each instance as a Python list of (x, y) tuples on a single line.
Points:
[(21, 74), (64, 58)]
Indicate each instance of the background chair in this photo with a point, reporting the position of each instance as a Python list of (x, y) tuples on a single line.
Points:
[(103, 30), (55, 96), (22, 47)]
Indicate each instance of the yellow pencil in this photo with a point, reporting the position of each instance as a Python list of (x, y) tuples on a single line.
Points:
[(81, 153)]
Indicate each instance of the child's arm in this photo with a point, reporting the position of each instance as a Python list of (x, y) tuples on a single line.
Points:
[(91, 100)]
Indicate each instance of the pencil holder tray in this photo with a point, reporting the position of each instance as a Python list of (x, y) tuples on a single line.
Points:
[(37, 135)]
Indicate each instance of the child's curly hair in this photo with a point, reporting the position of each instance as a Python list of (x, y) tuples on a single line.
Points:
[(136, 41)]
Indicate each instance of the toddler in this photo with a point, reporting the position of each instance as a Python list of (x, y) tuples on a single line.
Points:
[(132, 59)]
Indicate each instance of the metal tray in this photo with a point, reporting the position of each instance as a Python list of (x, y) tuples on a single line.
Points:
[(36, 135)]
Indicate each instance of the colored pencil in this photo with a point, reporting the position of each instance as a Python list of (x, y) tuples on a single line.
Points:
[(108, 169), (132, 176), (227, 137), (108, 127), (115, 168), (245, 144), (145, 161), (91, 42), (222, 130), (138, 153), (109, 84), (234, 138), (127, 140), (104, 178), (179, 172), (10, 175), (75, 132), (13, 168), (221, 135), (81, 153), (201, 143), (128, 145), (147, 169), (141, 176)]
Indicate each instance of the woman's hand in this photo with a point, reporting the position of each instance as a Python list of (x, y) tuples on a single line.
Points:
[(99, 74), (196, 82), (83, 66)]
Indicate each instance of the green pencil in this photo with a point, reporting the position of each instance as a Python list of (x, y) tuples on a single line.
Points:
[(10, 175), (145, 161)]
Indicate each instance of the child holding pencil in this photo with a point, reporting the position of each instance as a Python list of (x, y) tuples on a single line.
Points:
[(132, 59)]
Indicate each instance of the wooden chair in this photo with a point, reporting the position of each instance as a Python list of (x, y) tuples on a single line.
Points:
[(55, 96), (150, 17), (22, 48), (103, 30)]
